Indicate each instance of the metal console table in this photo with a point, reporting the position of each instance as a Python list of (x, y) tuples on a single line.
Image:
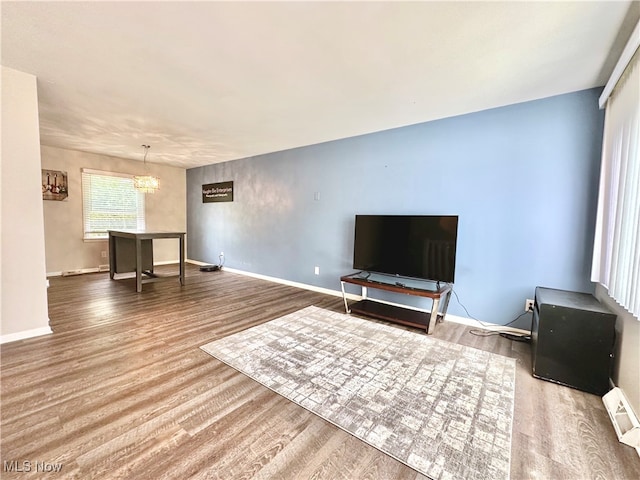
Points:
[(393, 313)]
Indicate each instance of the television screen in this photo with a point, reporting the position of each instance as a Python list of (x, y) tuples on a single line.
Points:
[(418, 246)]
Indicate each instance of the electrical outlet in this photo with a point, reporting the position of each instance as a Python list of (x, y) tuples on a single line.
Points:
[(528, 305), (103, 254), (316, 270)]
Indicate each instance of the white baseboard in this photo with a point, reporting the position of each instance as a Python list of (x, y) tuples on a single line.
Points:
[(197, 262), (35, 332), (100, 268), (314, 288), (470, 322), (81, 271), (449, 317), (78, 271)]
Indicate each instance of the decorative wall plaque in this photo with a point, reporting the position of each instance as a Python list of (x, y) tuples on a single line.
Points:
[(217, 192)]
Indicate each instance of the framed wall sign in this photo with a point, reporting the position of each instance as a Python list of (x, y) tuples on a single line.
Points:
[(54, 185), (217, 192)]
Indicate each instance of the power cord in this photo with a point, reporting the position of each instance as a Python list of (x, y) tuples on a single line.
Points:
[(214, 268), (503, 333)]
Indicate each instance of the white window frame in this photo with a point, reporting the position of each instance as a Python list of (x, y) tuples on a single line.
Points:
[(93, 232)]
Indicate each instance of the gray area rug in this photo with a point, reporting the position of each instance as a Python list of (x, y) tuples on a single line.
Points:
[(443, 409)]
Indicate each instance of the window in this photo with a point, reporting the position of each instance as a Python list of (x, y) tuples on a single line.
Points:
[(109, 202), (616, 255)]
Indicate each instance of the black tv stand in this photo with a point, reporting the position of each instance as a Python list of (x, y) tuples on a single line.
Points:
[(393, 313)]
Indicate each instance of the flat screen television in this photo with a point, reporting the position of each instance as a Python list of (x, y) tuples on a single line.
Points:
[(416, 246)]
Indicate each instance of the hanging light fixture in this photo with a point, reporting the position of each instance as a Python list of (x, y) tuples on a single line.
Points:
[(146, 183)]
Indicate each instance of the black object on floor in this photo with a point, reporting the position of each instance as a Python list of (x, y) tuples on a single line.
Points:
[(209, 268), (572, 340)]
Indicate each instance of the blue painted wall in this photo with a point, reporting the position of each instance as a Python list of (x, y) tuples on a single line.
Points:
[(522, 178)]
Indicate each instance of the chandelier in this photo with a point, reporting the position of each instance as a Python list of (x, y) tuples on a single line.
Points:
[(146, 183)]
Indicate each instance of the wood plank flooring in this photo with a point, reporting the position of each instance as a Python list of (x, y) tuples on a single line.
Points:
[(121, 390)]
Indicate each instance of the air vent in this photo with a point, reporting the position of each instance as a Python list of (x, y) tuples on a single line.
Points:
[(624, 421)]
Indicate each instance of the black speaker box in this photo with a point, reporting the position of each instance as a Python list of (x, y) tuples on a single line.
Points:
[(572, 340)]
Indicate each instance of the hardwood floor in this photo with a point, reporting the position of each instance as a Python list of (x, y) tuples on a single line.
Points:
[(121, 390)]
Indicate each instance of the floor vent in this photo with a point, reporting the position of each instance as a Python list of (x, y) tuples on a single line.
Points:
[(624, 421), (68, 273)]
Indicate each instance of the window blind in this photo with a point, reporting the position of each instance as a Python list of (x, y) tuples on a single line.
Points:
[(110, 202), (616, 255)]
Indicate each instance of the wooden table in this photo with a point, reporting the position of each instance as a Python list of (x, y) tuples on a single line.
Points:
[(132, 251)]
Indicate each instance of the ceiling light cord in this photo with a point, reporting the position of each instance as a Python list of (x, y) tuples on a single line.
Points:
[(146, 150)]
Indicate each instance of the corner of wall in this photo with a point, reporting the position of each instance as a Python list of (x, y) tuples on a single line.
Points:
[(626, 369), (24, 291)]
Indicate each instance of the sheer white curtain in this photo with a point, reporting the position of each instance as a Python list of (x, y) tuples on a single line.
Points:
[(616, 256)]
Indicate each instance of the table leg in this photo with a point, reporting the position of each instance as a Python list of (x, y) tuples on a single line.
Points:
[(138, 265), (112, 256), (344, 298), (445, 306), (182, 260), (434, 316)]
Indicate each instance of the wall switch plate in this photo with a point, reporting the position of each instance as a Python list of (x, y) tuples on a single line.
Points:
[(103, 254), (316, 270)]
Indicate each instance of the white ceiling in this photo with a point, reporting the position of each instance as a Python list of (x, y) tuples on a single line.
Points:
[(205, 82)]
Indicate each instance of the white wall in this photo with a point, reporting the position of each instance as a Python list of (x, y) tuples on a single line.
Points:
[(626, 369), (164, 210), (24, 288)]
